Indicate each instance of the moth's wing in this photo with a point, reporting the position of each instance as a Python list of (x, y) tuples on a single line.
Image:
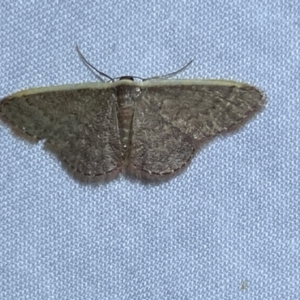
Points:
[(171, 121), (79, 125)]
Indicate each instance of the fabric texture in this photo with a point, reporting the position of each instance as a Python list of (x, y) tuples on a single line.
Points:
[(226, 228)]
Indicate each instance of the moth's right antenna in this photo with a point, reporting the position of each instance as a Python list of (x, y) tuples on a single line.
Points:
[(171, 74)]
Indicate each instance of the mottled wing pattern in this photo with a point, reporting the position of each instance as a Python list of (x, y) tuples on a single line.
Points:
[(170, 122), (80, 126)]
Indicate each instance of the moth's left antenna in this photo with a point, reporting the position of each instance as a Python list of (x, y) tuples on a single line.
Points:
[(91, 66)]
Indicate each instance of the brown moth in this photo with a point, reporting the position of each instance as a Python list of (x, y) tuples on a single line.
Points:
[(150, 129)]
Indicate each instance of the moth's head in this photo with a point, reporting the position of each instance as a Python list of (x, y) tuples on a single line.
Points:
[(127, 77)]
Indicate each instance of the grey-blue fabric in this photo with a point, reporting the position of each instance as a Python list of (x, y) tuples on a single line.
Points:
[(226, 228)]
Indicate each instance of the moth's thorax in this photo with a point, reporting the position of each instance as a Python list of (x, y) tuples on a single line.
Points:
[(127, 95)]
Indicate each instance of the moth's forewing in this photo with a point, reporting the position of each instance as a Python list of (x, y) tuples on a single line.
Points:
[(172, 120), (78, 123)]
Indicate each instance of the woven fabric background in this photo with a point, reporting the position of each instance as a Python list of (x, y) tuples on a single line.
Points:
[(227, 228)]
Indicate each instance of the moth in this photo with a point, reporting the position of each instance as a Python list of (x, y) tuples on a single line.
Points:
[(149, 128)]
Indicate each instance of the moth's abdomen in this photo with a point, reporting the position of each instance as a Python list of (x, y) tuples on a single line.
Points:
[(125, 115), (126, 98)]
